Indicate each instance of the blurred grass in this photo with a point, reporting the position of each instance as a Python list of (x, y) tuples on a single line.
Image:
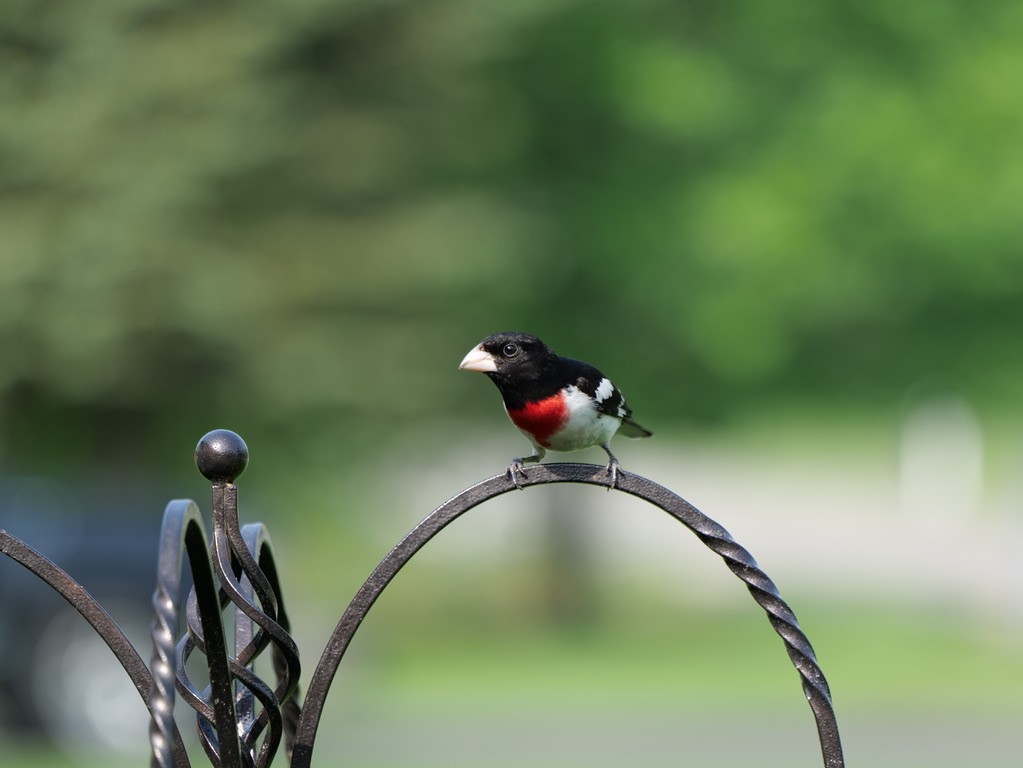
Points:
[(873, 658), (715, 672), (33, 755)]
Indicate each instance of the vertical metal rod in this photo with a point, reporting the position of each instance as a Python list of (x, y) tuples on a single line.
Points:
[(215, 648)]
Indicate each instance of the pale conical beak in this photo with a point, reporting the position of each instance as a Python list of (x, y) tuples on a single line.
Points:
[(479, 360)]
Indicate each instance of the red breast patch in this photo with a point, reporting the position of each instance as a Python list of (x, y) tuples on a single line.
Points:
[(542, 418)]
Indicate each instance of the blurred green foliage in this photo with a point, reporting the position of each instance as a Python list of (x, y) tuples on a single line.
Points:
[(294, 218), (291, 215)]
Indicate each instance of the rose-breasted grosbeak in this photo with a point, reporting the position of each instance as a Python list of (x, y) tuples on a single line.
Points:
[(558, 403)]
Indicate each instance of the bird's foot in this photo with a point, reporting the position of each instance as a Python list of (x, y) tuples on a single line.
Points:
[(513, 471), (611, 470)]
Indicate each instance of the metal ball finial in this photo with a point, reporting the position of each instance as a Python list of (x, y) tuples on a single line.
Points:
[(221, 456)]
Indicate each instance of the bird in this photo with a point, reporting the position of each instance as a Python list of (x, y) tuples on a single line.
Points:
[(558, 403)]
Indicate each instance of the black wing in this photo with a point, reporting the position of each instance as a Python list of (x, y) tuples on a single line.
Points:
[(608, 398)]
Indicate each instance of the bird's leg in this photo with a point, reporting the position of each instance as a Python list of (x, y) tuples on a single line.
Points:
[(516, 468), (612, 467)]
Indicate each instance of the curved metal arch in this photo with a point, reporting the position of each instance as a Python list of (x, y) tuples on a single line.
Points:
[(79, 598), (182, 535), (715, 537)]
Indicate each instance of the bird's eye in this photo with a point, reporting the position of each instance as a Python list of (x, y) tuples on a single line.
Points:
[(510, 350)]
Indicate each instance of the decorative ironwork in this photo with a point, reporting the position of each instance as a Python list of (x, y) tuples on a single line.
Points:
[(242, 720)]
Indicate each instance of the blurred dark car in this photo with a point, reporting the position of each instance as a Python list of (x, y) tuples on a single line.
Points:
[(58, 680)]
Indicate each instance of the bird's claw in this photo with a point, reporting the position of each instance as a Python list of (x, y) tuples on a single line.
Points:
[(514, 470), (611, 470)]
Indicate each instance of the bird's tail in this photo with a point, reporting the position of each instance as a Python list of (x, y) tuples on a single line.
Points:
[(629, 428)]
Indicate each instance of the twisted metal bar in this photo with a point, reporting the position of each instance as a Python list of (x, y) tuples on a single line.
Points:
[(163, 632), (766, 594), (242, 579), (253, 552), (284, 656), (716, 538)]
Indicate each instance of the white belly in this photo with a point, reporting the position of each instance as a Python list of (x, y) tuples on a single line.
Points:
[(585, 426)]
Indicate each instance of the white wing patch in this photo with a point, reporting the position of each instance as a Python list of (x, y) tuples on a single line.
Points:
[(604, 390)]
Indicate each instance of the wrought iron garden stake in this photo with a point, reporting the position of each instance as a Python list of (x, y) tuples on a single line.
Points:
[(241, 719)]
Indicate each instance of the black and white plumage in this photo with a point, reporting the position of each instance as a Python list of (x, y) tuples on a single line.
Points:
[(558, 403)]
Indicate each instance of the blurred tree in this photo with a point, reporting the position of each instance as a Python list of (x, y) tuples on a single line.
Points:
[(271, 214)]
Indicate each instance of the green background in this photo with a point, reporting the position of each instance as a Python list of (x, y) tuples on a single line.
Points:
[(791, 232)]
